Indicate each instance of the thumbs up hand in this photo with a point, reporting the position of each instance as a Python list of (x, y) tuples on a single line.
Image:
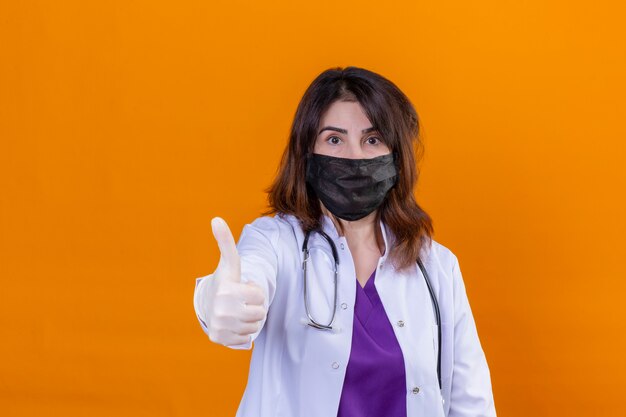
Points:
[(236, 309)]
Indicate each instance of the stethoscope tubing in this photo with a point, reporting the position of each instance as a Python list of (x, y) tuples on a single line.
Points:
[(437, 315), (305, 250), (328, 326)]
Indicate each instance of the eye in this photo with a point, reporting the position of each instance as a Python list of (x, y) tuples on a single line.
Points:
[(335, 142), (374, 140)]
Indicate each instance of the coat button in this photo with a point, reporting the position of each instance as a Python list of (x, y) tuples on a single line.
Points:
[(415, 390), (341, 246), (344, 305), (335, 365), (400, 323)]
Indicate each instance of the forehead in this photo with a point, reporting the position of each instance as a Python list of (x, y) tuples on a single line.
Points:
[(345, 112)]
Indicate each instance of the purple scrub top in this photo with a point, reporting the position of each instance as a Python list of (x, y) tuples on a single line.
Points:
[(375, 381)]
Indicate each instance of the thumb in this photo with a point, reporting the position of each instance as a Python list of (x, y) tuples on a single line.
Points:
[(229, 257)]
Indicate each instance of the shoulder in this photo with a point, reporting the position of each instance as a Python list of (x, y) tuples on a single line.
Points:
[(439, 256), (273, 223), (274, 228)]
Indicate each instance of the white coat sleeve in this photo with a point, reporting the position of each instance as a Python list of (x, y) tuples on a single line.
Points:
[(259, 263), (471, 394)]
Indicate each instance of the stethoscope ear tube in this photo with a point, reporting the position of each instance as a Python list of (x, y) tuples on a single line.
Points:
[(305, 250)]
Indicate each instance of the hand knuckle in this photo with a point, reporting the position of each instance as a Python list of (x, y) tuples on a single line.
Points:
[(220, 314)]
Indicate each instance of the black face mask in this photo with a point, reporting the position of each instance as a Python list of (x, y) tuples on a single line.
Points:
[(351, 188)]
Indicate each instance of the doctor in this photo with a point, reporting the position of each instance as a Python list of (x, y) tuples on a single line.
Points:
[(341, 315)]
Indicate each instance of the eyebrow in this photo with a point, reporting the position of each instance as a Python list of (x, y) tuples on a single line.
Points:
[(344, 131)]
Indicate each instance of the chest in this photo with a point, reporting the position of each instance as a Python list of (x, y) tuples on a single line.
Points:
[(365, 262), (323, 356)]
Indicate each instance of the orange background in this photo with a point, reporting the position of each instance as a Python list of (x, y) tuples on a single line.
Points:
[(126, 126)]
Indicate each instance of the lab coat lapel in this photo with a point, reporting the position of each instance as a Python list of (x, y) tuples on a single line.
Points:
[(324, 354), (408, 306)]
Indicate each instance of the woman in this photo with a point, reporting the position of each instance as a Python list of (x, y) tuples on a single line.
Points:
[(364, 341)]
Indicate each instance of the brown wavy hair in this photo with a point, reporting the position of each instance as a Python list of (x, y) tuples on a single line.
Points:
[(392, 114)]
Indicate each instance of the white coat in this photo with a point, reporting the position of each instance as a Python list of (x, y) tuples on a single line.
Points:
[(298, 371)]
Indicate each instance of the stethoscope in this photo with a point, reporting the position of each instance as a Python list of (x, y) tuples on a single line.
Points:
[(329, 326)]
